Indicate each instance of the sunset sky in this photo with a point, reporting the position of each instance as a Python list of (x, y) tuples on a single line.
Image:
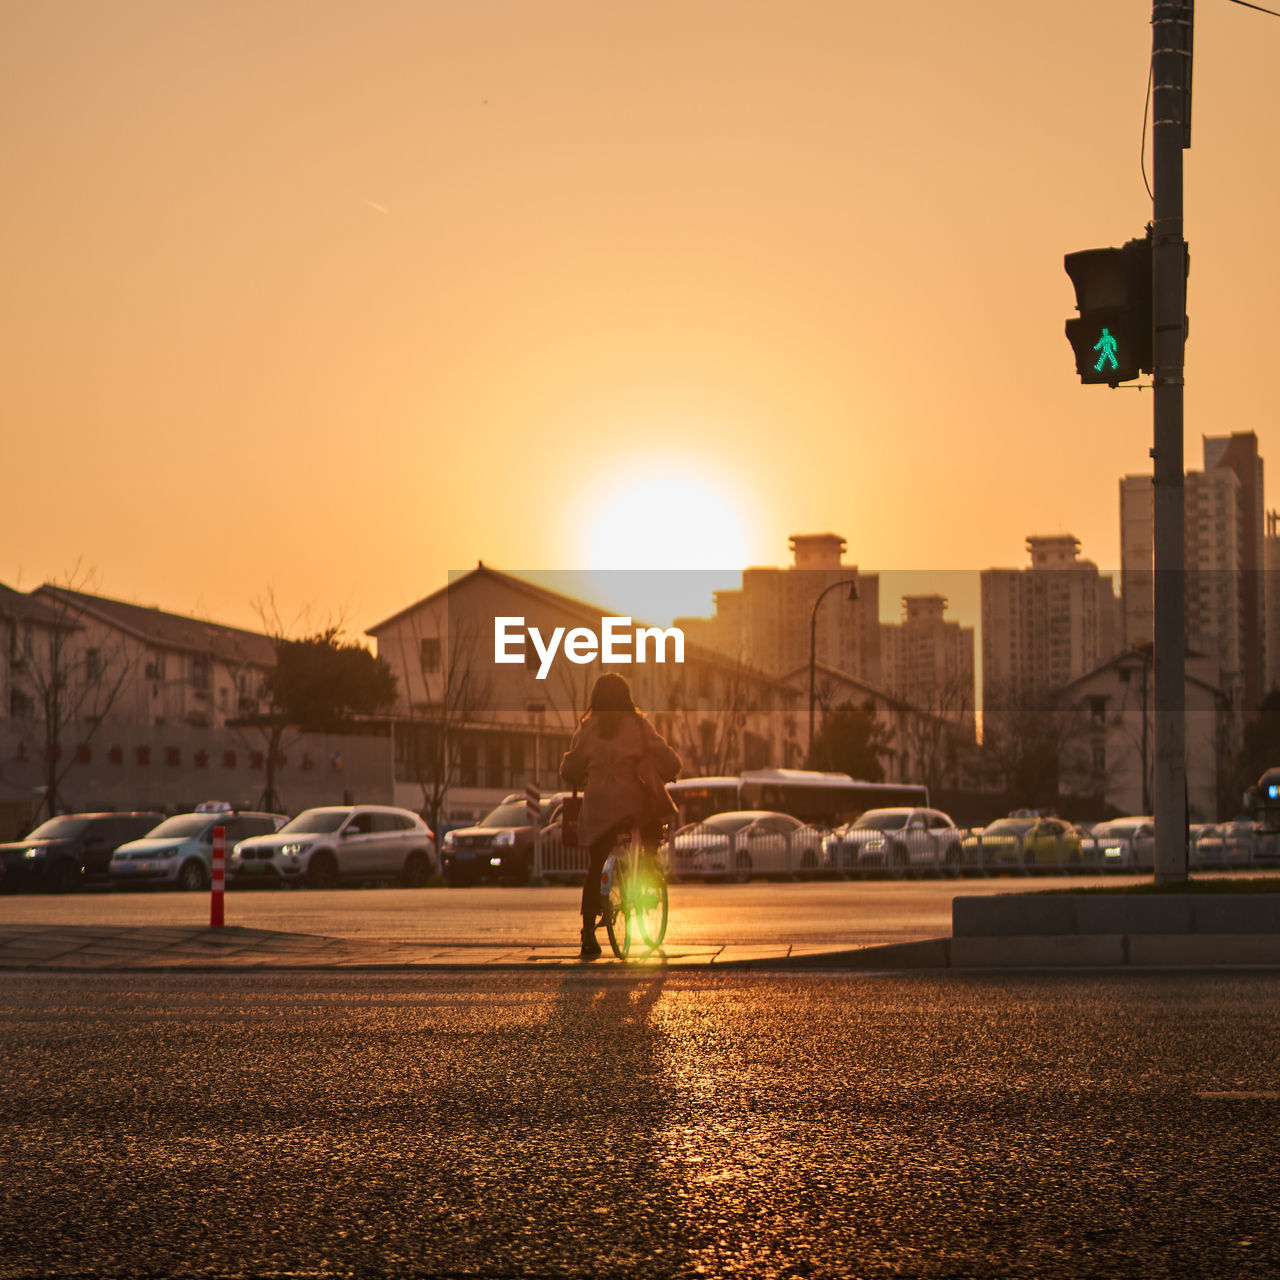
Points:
[(320, 301)]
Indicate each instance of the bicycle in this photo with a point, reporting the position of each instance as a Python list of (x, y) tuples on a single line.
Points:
[(633, 897)]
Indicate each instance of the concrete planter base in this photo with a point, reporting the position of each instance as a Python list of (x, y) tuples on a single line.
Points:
[(1111, 950), (1067, 914)]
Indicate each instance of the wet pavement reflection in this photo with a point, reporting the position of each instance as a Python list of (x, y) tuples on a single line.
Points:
[(656, 1125)]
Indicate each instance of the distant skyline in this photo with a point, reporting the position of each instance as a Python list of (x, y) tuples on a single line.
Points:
[(320, 302)]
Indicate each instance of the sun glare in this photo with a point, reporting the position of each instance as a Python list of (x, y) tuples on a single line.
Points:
[(665, 522), (658, 545)]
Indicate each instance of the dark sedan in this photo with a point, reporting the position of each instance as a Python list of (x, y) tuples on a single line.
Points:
[(65, 852), (499, 847)]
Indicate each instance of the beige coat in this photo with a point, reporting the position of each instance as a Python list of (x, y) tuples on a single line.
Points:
[(607, 771)]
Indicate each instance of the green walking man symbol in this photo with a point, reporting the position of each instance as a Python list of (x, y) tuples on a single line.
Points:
[(1108, 346)]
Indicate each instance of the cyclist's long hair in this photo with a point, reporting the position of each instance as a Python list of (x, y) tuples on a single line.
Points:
[(611, 704)]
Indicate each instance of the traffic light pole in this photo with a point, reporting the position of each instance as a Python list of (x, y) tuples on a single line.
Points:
[(1171, 26)]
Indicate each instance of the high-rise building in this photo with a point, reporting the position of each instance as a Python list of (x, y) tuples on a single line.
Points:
[(927, 659), (1223, 551), (1271, 578), (1216, 622), (766, 623), (1044, 625), (1137, 561), (1238, 453)]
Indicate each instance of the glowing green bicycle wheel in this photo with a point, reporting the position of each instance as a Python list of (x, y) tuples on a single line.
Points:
[(649, 896), (617, 918)]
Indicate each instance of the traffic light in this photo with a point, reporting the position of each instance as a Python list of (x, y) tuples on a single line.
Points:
[(1112, 336)]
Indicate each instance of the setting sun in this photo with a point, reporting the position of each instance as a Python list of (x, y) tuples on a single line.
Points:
[(659, 540), (664, 519)]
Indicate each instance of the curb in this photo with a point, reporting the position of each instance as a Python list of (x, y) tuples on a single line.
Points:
[(236, 950), (1117, 951)]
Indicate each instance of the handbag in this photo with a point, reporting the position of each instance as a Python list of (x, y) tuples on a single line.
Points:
[(570, 813), (661, 808)]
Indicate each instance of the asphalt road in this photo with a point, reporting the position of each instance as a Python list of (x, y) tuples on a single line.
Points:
[(860, 912), (1110, 1125)]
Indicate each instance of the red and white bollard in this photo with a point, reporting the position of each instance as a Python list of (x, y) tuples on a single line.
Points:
[(219, 878)]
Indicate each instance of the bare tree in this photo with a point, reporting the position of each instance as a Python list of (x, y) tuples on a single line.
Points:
[(715, 738), (1137, 703), (1037, 745), (70, 677), (271, 725), (456, 693), (318, 683), (573, 686), (933, 730)]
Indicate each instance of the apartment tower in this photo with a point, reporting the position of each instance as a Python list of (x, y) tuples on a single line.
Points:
[(1044, 625), (766, 623), (927, 659), (1224, 549)]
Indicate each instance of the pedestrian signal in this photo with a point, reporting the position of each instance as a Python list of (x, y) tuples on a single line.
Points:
[(1112, 336)]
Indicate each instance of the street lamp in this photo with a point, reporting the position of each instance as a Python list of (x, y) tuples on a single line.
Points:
[(852, 584)]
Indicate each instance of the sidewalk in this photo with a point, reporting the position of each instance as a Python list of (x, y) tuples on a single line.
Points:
[(116, 949), (108, 949)]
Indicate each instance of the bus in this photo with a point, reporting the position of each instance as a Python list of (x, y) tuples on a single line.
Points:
[(1263, 801), (823, 799)]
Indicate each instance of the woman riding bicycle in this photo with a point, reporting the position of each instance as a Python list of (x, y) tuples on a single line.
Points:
[(620, 761)]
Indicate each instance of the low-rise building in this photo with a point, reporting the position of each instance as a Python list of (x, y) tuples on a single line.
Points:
[(132, 664), (110, 705), (474, 727), (1115, 706), (921, 746)]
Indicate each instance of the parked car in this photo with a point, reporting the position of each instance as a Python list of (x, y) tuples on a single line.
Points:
[(325, 846), (1052, 843), (998, 844), (1224, 844), (746, 842), (1266, 847), (1023, 842), (896, 839), (1205, 845), (65, 852), (179, 852), (1122, 844), (500, 846)]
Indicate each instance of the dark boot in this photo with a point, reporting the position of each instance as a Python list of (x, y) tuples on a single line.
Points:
[(590, 947)]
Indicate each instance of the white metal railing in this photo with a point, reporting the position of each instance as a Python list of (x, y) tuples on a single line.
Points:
[(562, 861), (779, 854), (970, 852), (788, 854)]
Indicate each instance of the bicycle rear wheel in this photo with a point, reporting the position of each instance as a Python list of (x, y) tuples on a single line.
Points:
[(650, 898), (617, 919)]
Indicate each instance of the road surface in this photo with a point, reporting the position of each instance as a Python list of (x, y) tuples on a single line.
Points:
[(590, 1123)]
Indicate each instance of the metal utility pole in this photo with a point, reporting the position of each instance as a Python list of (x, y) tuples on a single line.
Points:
[(1171, 41)]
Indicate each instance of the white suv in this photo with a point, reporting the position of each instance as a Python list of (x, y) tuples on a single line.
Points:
[(321, 847)]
